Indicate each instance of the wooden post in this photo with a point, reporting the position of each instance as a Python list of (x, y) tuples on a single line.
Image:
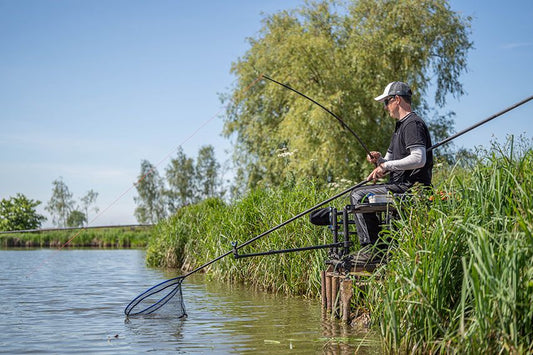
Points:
[(346, 291), (334, 293), (323, 288), (328, 291)]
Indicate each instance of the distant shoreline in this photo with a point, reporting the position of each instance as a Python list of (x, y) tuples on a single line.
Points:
[(121, 236)]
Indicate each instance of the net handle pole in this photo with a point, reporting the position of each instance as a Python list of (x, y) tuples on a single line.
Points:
[(480, 123), (277, 227)]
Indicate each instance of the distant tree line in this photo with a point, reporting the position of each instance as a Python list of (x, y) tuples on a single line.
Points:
[(65, 211), (19, 212), (186, 181)]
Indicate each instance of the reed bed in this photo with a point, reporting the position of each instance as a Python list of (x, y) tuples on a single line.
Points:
[(460, 279), (460, 274)]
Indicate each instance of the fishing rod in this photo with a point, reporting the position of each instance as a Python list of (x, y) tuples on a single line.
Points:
[(343, 124), (490, 118), (143, 304)]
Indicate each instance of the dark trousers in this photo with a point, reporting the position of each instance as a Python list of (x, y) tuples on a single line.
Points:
[(367, 224)]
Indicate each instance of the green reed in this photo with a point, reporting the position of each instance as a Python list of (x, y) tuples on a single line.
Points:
[(460, 278)]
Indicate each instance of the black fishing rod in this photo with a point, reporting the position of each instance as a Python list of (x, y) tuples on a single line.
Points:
[(444, 141), (343, 124), (490, 118), (139, 302)]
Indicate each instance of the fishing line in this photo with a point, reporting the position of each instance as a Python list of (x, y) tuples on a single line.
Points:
[(141, 179)]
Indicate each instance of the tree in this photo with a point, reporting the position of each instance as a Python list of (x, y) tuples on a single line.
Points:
[(207, 173), (151, 201), (180, 176), (76, 218), (342, 59), (60, 204), (88, 200), (18, 213)]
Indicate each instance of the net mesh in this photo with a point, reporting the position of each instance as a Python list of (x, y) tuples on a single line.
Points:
[(150, 302)]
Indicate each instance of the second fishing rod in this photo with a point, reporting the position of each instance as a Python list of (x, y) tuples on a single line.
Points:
[(175, 283)]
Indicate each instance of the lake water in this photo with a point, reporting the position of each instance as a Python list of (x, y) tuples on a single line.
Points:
[(72, 301)]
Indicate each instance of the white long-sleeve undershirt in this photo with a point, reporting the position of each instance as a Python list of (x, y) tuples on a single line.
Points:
[(416, 159)]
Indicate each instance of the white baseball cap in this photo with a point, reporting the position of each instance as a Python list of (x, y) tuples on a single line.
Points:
[(395, 88)]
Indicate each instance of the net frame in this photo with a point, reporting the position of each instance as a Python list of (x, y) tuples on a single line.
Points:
[(143, 305)]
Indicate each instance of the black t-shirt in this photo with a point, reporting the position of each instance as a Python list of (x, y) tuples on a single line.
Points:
[(410, 132)]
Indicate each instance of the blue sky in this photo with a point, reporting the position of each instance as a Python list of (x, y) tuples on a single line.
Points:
[(90, 88)]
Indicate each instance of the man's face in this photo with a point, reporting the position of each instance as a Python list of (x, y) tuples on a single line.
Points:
[(392, 105)]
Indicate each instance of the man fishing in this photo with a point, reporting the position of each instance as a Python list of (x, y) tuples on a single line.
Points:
[(407, 162)]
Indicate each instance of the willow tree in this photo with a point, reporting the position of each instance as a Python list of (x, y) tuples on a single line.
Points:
[(342, 55)]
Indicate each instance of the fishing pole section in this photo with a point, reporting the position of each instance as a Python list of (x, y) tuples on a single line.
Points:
[(343, 124), (150, 300)]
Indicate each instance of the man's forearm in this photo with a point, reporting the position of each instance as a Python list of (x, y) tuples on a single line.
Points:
[(416, 159)]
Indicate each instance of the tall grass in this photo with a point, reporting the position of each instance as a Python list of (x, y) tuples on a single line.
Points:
[(200, 233), (460, 279)]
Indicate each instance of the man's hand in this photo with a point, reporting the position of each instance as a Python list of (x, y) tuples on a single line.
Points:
[(377, 173), (373, 157)]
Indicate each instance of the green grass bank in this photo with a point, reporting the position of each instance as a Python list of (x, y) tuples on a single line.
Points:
[(108, 237), (460, 276)]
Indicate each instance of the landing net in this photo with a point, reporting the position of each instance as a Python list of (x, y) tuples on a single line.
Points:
[(167, 293)]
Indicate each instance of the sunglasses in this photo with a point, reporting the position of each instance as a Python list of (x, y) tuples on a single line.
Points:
[(387, 100)]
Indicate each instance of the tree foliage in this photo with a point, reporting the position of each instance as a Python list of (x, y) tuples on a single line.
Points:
[(87, 201), (18, 213), (207, 173), (180, 177), (342, 55), (63, 208), (187, 181), (61, 203), (76, 218), (151, 200)]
